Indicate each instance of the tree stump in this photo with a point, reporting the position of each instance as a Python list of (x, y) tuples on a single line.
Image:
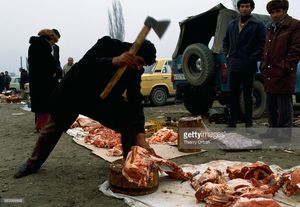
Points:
[(187, 124), (119, 184)]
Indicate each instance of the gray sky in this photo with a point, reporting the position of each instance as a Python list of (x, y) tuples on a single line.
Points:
[(82, 22)]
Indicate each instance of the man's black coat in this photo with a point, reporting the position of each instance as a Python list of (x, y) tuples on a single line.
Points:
[(42, 73), (79, 90)]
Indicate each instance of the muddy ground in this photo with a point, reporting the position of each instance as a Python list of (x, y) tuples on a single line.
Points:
[(71, 175)]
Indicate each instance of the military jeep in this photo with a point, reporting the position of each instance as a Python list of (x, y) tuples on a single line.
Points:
[(199, 73)]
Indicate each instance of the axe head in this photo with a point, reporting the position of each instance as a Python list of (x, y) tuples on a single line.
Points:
[(159, 27)]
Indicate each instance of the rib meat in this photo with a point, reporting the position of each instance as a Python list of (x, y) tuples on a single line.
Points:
[(140, 161)]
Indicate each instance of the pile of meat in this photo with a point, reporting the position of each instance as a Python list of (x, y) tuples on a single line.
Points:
[(100, 136), (164, 136), (10, 98), (251, 185), (103, 137), (140, 161)]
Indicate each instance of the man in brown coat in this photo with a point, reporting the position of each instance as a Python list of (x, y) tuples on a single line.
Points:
[(279, 65)]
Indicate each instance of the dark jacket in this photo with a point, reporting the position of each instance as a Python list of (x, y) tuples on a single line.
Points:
[(23, 78), (243, 49), (55, 53), (7, 79), (80, 88), (1, 83), (42, 72), (280, 57)]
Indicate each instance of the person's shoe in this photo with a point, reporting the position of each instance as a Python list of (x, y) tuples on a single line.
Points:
[(282, 139), (248, 125), (24, 170), (269, 134), (231, 125)]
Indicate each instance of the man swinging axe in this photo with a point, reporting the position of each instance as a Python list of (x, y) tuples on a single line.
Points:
[(78, 93)]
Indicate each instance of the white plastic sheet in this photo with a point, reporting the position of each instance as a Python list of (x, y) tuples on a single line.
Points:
[(173, 193)]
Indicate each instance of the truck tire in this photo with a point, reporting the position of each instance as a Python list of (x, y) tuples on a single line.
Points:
[(259, 102), (198, 100), (158, 96), (198, 64)]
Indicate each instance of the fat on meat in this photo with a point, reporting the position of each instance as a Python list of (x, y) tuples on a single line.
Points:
[(229, 192), (100, 136), (163, 135), (291, 182), (257, 170), (210, 175), (257, 202)]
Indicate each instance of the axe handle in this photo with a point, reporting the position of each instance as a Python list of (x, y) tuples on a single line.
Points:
[(133, 50)]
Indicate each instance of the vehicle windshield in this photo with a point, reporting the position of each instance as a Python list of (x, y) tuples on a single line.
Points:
[(149, 68)]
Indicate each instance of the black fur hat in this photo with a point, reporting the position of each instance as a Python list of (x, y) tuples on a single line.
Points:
[(277, 4)]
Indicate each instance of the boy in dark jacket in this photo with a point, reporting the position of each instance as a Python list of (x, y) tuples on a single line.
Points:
[(243, 44), (71, 98)]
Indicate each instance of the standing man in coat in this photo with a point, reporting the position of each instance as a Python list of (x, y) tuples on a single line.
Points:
[(23, 81), (279, 64), (243, 44), (55, 53), (7, 80), (94, 71), (68, 65), (43, 74), (1, 82)]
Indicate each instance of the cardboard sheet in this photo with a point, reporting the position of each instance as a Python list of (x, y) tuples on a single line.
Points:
[(164, 150), (172, 193)]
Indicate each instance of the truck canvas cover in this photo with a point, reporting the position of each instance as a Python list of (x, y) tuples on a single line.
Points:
[(202, 27)]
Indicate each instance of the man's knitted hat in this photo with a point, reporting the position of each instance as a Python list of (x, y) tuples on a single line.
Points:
[(277, 4)]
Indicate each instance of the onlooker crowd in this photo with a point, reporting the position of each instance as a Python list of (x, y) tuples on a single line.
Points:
[(4, 81)]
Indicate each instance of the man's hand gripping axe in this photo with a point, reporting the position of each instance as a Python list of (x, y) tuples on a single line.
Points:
[(159, 28)]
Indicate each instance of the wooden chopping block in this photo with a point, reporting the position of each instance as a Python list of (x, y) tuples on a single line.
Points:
[(119, 184), (186, 123)]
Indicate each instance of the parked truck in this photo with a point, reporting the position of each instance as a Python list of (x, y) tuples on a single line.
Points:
[(200, 74)]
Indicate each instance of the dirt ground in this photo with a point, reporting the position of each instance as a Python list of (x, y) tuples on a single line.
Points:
[(72, 174)]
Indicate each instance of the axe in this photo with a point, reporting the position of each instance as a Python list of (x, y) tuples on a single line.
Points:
[(159, 28)]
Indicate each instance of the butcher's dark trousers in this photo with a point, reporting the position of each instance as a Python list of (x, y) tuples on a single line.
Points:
[(114, 115), (48, 138), (241, 81)]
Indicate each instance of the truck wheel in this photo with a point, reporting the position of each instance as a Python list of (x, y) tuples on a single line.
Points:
[(158, 96), (259, 100), (198, 100), (198, 64)]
